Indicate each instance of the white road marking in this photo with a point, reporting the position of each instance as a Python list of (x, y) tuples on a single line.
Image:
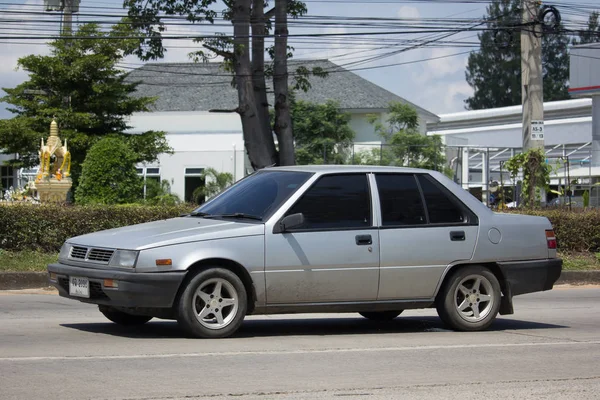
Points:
[(293, 352)]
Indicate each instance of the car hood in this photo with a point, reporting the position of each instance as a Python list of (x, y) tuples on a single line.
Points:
[(168, 232)]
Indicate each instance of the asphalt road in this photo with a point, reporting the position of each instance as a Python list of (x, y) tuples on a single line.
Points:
[(53, 348)]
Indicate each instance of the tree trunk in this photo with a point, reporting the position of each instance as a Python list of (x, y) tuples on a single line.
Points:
[(260, 150), (283, 119), (258, 70)]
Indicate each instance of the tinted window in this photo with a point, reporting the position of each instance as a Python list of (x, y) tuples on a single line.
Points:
[(440, 207), (336, 201), (400, 199), (260, 194)]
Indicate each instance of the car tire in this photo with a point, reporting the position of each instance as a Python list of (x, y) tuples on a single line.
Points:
[(213, 304), (381, 315), (122, 318), (469, 299)]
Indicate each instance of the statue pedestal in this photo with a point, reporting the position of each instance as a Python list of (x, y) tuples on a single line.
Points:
[(53, 190)]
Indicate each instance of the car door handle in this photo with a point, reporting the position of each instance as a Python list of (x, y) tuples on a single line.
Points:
[(364, 240), (457, 236)]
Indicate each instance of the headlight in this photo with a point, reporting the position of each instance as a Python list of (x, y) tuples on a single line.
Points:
[(65, 250), (124, 258)]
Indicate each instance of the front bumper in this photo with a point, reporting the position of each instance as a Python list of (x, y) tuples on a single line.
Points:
[(136, 290), (530, 276)]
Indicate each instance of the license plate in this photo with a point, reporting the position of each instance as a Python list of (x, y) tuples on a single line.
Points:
[(79, 287)]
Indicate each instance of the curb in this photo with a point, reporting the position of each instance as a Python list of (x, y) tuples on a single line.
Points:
[(37, 280)]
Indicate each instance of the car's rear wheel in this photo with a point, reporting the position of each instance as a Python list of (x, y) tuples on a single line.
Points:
[(213, 304), (122, 318), (470, 299), (381, 315)]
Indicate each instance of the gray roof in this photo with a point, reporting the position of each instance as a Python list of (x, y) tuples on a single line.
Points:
[(206, 86)]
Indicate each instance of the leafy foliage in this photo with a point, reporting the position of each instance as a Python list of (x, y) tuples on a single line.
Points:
[(109, 175), (494, 72), (159, 193), (46, 227), (322, 133), (214, 183), (80, 86), (536, 173), (403, 144)]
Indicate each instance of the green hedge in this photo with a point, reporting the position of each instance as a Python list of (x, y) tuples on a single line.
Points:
[(45, 227), (576, 231)]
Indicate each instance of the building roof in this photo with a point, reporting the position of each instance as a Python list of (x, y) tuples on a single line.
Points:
[(206, 86), (494, 117)]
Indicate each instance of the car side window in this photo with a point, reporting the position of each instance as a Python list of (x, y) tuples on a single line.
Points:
[(400, 199), (336, 202), (440, 207)]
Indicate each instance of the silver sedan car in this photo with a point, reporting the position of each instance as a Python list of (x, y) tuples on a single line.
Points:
[(372, 240)]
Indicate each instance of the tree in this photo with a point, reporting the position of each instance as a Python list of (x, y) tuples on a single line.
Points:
[(250, 21), (322, 132), (494, 72), (109, 175), (80, 86), (403, 144), (214, 183), (592, 33)]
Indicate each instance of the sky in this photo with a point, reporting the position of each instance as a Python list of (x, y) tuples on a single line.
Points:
[(437, 84)]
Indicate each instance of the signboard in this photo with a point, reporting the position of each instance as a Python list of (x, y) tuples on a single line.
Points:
[(537, 130)]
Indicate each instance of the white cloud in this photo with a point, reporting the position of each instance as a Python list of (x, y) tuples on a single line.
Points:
[(409, 12)]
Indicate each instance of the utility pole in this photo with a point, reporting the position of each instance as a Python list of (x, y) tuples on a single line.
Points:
[(67, 18), (532, 89)]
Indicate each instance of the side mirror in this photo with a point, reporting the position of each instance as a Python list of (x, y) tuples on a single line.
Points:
[(290, 222)]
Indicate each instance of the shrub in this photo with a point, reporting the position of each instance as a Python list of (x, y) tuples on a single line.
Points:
[(46, 227), (108, 174)]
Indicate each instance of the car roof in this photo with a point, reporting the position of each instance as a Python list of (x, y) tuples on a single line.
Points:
[(329, 169)]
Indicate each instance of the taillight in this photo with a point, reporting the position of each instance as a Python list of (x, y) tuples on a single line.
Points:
[(551, 239)]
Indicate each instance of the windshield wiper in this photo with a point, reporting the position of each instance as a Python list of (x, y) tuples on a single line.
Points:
[(235, 215), (197, 214)]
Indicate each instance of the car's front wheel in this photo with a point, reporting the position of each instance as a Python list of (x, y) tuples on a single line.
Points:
[(121, 318), (381, 315), (213, 304), (470, 299)]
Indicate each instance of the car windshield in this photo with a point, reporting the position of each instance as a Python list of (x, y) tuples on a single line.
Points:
[(258, 195)]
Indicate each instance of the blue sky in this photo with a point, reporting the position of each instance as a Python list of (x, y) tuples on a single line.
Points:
[(437, 85)]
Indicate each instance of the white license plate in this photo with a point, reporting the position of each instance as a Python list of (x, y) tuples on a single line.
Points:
[(79, 287)]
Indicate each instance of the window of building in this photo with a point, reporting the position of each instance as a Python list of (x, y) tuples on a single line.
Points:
[(440, 206), (401, 202), (6, 177), (150, 174), (193, 181), (336, 202)]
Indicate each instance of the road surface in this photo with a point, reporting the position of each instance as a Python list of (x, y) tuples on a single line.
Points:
[(53, 348)]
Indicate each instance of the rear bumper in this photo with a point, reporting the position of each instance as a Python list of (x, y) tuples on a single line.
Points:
[(136, 290), (530, 276)]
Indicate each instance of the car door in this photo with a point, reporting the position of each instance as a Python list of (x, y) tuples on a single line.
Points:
[(334, 255), (423, 229)]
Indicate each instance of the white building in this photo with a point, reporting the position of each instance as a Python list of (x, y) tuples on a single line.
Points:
[(186, 92)]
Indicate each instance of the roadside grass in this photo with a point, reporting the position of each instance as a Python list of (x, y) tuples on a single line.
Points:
[(29, 260), (580, 261)]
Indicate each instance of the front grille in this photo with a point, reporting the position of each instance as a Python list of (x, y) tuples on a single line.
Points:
[(78, 252), (96, 291), (100, 255), (64, 283)]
